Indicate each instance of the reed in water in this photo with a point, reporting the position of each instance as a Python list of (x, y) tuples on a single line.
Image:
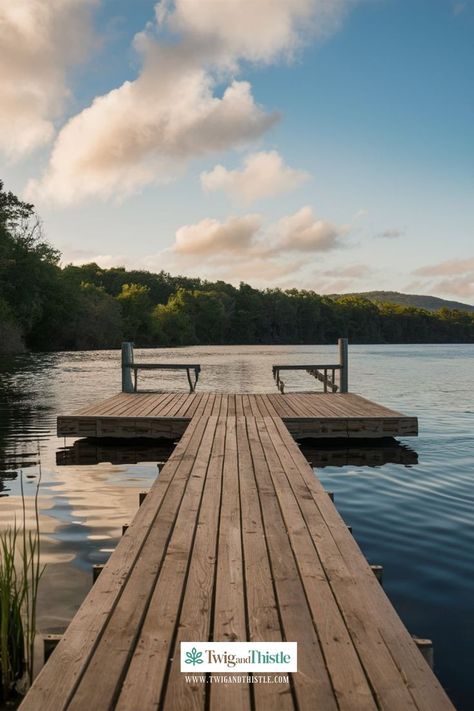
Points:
[(20, 575)]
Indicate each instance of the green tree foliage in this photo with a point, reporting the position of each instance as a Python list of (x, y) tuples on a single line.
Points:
[(97, 320), (30, 279), (136, 305), (44, 306)]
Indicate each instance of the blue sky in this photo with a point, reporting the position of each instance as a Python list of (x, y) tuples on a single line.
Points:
[(345, 142)]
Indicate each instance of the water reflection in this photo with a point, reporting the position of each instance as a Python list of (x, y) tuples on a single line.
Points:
[(25, 419), (361, 453), (115, 451)]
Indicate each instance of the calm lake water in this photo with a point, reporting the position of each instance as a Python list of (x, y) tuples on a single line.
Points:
[(411, 506)]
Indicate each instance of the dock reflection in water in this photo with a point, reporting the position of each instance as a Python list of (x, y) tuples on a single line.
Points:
[(114, 451), (364, 453), (321, 453)]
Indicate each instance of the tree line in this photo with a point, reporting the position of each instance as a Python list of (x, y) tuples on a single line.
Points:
[(44, 306)]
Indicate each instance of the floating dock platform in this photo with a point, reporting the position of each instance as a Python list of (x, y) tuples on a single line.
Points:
[(237, 541), (323, 415)]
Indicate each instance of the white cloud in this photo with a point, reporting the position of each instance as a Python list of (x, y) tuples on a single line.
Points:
[(246, 237), (458, 278), (39, 40), (458, 286), (147, 130), (210, 236), (451, 266), (259, 30), (238, 248), (242, 248), (303, 232), (264, 174)]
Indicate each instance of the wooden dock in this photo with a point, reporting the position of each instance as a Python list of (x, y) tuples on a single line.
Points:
[(236, 541), (328, 415)]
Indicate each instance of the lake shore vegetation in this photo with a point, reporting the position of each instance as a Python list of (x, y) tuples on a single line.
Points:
[(45, 306)]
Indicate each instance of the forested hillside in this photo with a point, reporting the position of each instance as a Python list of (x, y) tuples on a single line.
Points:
[(44, 306), (420, 301)]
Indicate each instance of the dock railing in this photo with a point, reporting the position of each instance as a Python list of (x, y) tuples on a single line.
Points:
[(326, 373), (130, 385)]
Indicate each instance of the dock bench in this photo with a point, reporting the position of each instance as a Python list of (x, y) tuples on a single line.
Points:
[(188, 367)]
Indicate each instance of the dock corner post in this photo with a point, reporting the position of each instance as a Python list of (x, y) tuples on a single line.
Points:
[(127, 360), (426, 648), (344, 363)]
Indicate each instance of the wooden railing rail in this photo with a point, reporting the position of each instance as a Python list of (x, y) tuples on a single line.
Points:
[(325, 373), (129, 366)]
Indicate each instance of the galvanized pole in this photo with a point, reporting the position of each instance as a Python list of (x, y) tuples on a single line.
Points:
[(127, 359), (344, 363)]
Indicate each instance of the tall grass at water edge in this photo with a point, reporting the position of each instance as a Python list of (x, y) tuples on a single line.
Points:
[(20, 575)]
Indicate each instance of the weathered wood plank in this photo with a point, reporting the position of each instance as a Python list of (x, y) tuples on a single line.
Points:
[(312, 683), (262, 605), (230, 614), (141, 687), (348, 679), (195, 619)]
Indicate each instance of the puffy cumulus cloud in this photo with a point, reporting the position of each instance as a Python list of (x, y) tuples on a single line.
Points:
[(209, 236), (449, 267), (147, 129), (304, 232), (39, 39), (246, 237), (263, 174), (242, 248), (238, 248), (258, 31)]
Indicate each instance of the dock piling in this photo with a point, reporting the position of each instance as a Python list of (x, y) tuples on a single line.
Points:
[(426, 648), (97, 568), (344, 363), (127, 360), (50, 642), (378, 572)]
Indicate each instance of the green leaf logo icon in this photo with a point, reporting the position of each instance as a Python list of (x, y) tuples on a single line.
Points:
[(193, 657)]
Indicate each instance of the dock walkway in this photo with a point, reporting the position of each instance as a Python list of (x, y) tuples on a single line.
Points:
[(236, 541)]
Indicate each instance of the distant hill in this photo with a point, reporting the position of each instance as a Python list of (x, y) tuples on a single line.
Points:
[(430, 303)]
